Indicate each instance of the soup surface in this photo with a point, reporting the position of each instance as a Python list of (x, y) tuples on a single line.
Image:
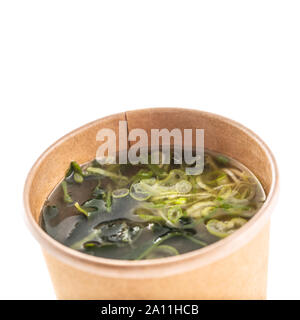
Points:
[(148, 211)]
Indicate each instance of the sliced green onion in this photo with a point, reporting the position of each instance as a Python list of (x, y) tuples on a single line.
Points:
[(222, 159), (138, 193), (231, 175), (74, 167), (120, 193), (245, 191), (108, 200), (241, 174), (170, 196), (202, 185), (106, 173), (196, 209), (150, 218), (78, 177), (91, 244), (216, 177), (223, 229), (142, 174), (183, 186), (80, 209), (174, 214), (67, 197), (206, 211), (149, 181), (178, 201), (173, 177), (225, 191)]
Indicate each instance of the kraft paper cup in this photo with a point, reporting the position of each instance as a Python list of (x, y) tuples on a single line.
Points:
[(232, 268)]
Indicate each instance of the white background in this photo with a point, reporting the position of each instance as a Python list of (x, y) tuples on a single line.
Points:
[(65, 63)]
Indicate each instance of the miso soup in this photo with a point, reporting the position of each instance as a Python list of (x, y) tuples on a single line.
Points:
[(148, 211)]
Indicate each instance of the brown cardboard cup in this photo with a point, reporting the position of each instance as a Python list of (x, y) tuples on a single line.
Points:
[(232, 268)]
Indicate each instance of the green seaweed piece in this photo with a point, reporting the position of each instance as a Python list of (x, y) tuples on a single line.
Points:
[(116, 232)]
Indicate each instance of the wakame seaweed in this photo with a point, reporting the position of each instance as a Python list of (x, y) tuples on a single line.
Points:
[(148, 211)]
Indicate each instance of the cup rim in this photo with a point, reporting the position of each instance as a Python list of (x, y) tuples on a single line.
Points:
[(154, 268)]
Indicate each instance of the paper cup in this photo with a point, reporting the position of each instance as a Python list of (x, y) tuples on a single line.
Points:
[(232, 268)]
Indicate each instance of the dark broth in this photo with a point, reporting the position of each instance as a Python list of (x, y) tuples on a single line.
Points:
[(136, 212)]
